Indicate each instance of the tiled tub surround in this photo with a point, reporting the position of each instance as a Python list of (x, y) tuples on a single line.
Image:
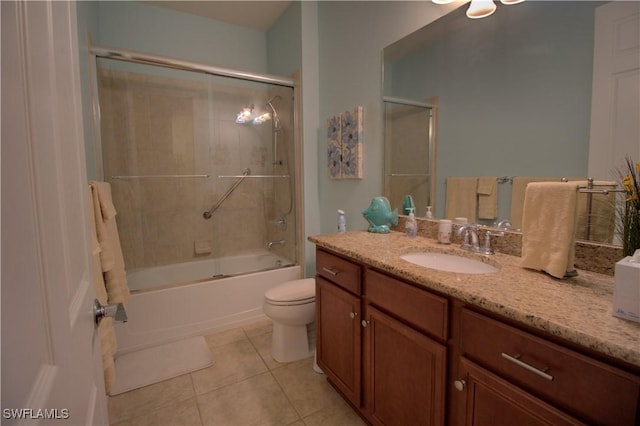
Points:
[(577, 310), (157, 125)]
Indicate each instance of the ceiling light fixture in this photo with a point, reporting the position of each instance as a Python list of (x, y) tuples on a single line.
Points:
[(480, 9)]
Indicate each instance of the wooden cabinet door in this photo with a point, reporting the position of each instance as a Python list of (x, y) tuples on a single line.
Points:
[(493, 401), (404, 373), (338, 334)]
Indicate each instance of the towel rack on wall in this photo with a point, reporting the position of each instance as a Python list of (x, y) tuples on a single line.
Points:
[(591, 189), (500, 180), (410, 174), (159, 176)]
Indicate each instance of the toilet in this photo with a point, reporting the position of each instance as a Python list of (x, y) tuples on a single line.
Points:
[(291, 306)]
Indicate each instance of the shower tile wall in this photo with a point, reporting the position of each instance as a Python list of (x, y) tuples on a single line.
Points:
[(154, 125)]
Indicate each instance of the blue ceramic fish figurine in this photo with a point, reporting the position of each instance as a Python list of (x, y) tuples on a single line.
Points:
[(379, 215)]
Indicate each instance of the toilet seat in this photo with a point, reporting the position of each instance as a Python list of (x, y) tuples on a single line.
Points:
[(296, 292)]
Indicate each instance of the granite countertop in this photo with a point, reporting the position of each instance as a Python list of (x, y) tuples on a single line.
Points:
[(577, 309)]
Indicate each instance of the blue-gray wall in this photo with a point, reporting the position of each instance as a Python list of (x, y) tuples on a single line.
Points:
[(514, 92), (337, 46), (352, 37)]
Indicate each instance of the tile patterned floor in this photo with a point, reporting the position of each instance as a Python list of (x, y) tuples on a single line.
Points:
[(244, 386)]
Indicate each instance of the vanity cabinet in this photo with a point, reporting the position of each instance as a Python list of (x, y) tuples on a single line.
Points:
[(338, 327), (528, 369), (388, 359), (404, 373), (493, 401), (403, 355)]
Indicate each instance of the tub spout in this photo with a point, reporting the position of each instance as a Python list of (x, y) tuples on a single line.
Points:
[(273, 243)]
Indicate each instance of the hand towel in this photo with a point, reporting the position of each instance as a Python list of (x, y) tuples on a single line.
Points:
[(602, 216), (549, 227), (518, 187), (111, 257), (488, 197), (106, 332), (462, 198)]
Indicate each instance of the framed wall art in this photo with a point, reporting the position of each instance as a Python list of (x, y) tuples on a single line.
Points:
[(344, 144)]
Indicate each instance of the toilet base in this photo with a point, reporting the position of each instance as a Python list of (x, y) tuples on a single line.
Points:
[(289, 343)]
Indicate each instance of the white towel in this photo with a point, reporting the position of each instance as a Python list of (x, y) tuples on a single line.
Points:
[(488, 197), (549, 227), (462, 198)]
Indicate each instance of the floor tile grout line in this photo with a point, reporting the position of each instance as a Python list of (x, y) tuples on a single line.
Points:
[(195, 396)]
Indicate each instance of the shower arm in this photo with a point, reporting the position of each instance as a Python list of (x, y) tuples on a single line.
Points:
[(209, 213)]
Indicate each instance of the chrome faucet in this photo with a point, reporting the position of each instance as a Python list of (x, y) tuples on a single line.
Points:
[(469, 234), (270, 244), (505, 224)]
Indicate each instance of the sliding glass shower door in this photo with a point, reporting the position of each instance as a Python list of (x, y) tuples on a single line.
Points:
[(200, 166)]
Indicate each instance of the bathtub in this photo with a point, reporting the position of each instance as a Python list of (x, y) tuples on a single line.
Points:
[(166, 304)]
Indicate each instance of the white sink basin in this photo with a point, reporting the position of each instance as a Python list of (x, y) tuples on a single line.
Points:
[(449, 263)]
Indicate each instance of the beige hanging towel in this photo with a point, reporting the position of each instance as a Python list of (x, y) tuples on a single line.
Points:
[(518, 187), (111, 254), (549, 228), (106, 332), (488, 197), (462, 198)]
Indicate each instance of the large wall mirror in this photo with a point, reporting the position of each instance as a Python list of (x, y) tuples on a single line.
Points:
[(514, 94)]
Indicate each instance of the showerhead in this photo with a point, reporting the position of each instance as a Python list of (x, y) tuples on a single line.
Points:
[(273, 98), (274, 113)]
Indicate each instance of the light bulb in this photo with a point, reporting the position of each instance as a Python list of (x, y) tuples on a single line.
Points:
[(510, 2), (442, 1), (480, 9)]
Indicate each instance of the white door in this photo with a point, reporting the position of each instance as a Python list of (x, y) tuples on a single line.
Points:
[(50, 354), (615, 126)]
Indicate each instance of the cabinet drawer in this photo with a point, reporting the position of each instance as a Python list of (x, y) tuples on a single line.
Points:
[(417, 307), (588, 389), (339, 271)]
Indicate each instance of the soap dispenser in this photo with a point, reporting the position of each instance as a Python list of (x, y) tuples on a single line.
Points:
[(429, 213), (411, 225)]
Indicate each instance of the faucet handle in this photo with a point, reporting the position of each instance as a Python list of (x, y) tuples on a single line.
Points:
[(486, 249)]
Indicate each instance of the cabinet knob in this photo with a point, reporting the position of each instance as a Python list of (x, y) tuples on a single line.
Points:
[(353, 315), (365, 323), (459, 384)]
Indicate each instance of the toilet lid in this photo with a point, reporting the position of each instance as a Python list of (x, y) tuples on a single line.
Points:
[(293, 291)]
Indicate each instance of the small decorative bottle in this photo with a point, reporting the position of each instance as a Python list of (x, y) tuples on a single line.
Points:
[(342, 221), (411, 225)]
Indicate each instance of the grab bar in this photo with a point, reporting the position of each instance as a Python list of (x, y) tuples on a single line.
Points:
[(254, 176), (158, 176), (246, 172)]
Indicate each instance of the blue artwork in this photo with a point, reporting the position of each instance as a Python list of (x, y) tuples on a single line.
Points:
[(344, 144)]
